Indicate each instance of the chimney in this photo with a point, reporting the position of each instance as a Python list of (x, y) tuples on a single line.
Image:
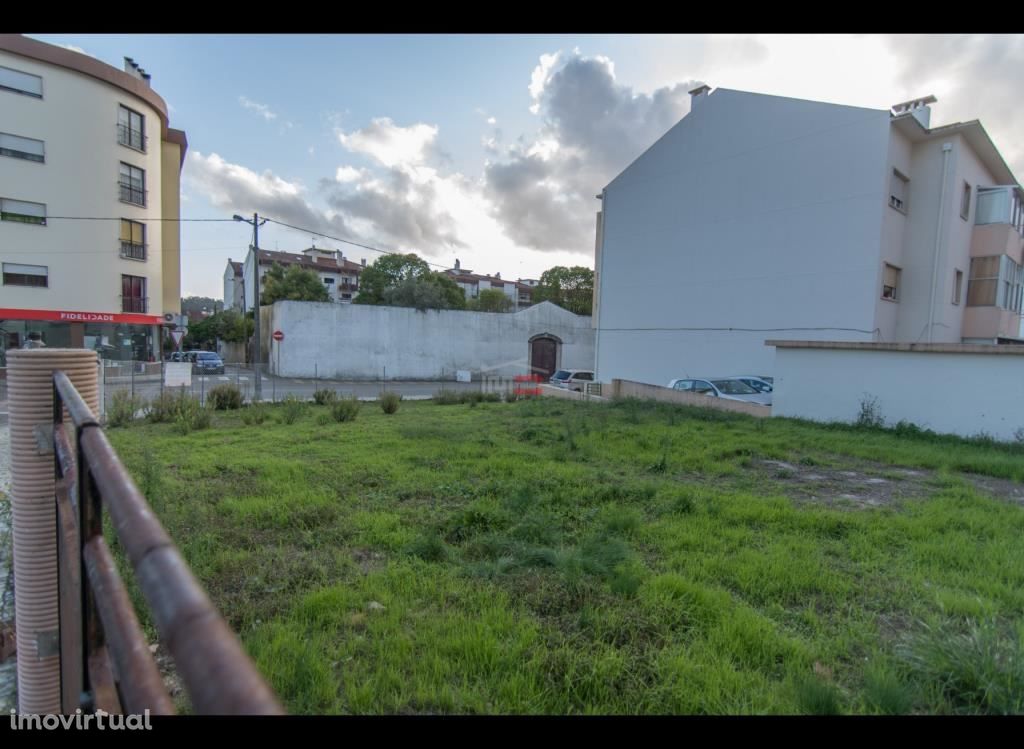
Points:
[(698, 95), (497, 275), (364, 262), (132, 68), (916, 108), (457, 266)]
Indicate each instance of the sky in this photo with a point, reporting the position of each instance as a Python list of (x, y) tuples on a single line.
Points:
[(490, 148)]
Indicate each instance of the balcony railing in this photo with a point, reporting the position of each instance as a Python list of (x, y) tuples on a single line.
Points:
[(131, 194), (126, 136), (135, 304), (133, 251)]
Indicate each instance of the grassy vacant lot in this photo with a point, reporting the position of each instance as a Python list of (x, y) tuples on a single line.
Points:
[(562, 557)]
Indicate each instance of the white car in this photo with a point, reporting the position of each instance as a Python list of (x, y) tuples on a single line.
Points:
[(760, 383), (572, 379), (726, 388)]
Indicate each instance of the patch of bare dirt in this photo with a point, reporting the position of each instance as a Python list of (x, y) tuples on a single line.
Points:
[(864, 485)]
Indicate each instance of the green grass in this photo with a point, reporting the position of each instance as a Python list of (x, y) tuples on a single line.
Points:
[(562, 557)]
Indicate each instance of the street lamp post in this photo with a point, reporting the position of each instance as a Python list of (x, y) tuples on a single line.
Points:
[(256, 224)]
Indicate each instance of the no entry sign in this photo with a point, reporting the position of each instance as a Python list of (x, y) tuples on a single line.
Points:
[(278, 335)]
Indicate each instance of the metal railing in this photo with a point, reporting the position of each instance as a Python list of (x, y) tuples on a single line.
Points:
[(105, 663), (133, 195), (133, 251), (134, 303), (127, 136)]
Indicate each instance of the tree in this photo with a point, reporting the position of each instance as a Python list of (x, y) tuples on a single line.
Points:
[(198, 307), (492, 300), (571, 288), (386, 272), (428, 291), (229, 326), (296, 284)]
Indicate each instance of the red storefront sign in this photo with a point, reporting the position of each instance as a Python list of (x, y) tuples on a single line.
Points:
[(67, 316)]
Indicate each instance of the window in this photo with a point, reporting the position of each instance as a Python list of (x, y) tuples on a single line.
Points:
[(329, 280), (21, 83), (130, 128), (898, 189), (133, 239), (983, 281), (22, 211), (958, 282), (965, 202), (1011, 277), (891, 283), (25, 275), (21, 148), (132, 184), (133, 294)]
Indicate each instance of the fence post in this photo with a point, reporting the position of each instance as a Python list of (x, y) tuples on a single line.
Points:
[(33, 492)]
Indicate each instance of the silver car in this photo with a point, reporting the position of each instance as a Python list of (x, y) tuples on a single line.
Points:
[(760, 383), (722, 387)]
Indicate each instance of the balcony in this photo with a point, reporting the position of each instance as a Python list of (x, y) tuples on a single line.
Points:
[(135, 304), (131, 194), (132, 251), (126, 136)]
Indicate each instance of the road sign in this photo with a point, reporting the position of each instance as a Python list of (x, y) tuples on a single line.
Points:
[(278, 335), (177, 335)]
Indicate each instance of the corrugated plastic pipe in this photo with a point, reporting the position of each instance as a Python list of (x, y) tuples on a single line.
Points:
[(30, 403)]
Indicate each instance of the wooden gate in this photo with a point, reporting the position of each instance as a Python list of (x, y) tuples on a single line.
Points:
[(543, 356)]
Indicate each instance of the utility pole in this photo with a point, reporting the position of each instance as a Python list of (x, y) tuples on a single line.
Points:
[(256, 223)]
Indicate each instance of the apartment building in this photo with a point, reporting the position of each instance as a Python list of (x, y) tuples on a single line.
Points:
[(340, 275), (762, 217), (81, 139), (520, 292)]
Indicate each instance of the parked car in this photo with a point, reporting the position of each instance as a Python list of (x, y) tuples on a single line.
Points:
[(572, 379), (723, 387), (760, 383), (177, 356), (206, 362)]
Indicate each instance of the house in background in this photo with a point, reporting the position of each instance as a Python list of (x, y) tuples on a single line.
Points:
[(339, 275), (761, 217), (520, 292)]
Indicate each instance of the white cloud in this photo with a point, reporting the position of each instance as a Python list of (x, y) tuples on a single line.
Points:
[(262, 109), (539, 78), (391, 144), (347, 174), (492, 121)]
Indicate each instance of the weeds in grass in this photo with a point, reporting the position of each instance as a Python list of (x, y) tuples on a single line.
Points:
[(292, 409), (978, 666), (389, 402), (345, 409), (254, 414), (323, 419), (870, 415), (324, 397), (191, 416), (123, 408), (885, 692), (150, 476), (445, 397), (816, 696), (165, 406), (429, 547), (224, 397)]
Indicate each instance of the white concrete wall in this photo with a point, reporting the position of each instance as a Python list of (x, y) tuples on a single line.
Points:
[(352, 341), (77, 120), (752, 212), (956, 393)]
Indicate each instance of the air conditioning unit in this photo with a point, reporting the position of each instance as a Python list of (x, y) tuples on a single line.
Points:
[(175, 320)]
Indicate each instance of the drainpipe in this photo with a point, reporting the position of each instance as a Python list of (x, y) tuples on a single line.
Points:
[(946, 148)]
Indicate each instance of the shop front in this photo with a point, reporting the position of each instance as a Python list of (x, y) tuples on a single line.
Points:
[(119, 337)]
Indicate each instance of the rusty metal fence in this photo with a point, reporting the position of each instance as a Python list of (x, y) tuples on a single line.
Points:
[(105, 662)]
